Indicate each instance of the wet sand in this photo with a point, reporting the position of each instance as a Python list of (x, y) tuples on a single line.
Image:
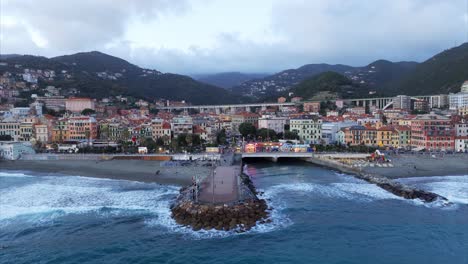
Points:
[(423, 165), (133, 170)]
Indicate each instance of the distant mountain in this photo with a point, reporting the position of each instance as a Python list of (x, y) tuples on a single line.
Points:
[(280, 82), (6, 56), (228, 79), (328, 85), (374, 76), (443, 73), (380, 72), (96, 74)]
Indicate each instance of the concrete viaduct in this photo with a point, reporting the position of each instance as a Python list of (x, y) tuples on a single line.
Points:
[(379, 102)]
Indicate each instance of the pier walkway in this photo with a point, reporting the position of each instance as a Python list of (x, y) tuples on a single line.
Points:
[(222, 185)]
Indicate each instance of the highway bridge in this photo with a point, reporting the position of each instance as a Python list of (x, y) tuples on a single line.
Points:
[(225, 108), (435, 101)]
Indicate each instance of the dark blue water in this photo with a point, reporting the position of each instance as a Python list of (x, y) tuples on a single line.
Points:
[(319, 216)]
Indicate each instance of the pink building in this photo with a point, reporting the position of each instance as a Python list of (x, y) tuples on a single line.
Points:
[(77, 105)]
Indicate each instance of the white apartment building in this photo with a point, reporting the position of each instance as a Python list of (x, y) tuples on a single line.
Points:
[(41, 133), (273, 122), (458, 100), (330, 130), (181, 125), (309, 128)]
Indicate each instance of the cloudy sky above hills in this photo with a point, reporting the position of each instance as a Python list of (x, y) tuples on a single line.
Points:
[(201, 36)]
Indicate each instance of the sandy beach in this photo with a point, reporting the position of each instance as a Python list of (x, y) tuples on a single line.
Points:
[(147, 171), (133, 170), (418, 165)]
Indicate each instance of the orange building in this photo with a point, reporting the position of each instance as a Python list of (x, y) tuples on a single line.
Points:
[(312, 107), (82, 128)]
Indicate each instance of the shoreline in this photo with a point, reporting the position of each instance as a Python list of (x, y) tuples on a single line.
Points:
[(130, 170), (146, 171), (409, 166)]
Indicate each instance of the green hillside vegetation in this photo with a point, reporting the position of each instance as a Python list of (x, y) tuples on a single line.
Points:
[(132, 81), (443, 73), (327, 82)]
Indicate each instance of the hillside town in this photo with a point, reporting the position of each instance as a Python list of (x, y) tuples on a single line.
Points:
[(60, 120)]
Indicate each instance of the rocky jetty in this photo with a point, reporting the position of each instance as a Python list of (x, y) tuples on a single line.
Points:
[(240, 216), (401, 189), (394, 187)]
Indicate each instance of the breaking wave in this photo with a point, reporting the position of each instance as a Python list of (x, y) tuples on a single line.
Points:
[(454, 188)]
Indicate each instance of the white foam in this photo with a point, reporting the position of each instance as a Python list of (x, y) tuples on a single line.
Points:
[(14, 174), (78, 195), (454, 188)]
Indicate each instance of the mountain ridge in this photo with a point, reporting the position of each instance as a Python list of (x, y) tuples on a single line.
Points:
[(97, 74)]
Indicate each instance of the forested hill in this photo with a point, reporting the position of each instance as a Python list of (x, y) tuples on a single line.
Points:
[(97, 75)]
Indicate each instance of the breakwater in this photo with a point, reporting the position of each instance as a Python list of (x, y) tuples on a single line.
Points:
[(396, 188), (241, 213)]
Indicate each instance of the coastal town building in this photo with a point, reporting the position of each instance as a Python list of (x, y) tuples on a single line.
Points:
[(56, 103), (181, 125), (330, 130), (308, 128), (77, 105), (245, 117), (272, 122), (161, 129), (82, 128), (14, 150), (421, 105), (312, 107), (432, 132), (41, 133), (402, 102), (461, 144)]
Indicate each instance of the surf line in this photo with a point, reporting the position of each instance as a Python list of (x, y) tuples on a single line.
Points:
[(393, 187)]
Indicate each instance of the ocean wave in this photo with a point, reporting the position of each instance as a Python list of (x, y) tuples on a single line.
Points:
[(353, 190), (454, 188), (56, 196), (14, 174), (277, 220)]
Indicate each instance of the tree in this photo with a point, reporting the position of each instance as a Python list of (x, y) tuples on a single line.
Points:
[(384, 119), (159, 142), (149, 143), (267, 134), (247, 129), (221, 137), (88, 112), (290, 135), (189, 139)]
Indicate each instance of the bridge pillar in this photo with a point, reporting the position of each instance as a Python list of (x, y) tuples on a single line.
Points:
[(264, 107), (247, 109), (217, 110)]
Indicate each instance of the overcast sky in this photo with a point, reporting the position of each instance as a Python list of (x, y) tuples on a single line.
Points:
[(201, 36)]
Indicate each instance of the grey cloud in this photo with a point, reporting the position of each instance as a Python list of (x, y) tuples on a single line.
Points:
[(351, 32), (87, 24)]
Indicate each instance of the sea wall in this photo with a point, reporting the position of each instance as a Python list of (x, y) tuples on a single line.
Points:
[(240, 216), (396, 188)]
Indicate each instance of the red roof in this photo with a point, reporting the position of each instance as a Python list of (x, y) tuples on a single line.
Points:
[(166, 125)]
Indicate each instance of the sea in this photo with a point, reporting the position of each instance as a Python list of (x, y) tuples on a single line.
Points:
[(317, 216)]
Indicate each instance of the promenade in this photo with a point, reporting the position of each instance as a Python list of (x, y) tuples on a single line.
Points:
[(222, 185)]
